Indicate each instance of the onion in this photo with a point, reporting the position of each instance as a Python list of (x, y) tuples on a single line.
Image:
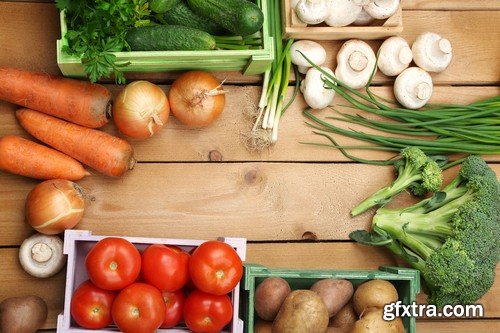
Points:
[(196, 98), (141, 110), (55, 205)]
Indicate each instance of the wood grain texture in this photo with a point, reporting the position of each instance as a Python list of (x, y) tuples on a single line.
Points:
[(458, 326), (472, 34), (450, 5), (15, 282), (259, 201), (179, 143)]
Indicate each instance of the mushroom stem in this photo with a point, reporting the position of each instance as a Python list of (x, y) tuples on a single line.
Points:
[(358, 61), (423, 91), (444, 46), (41, 252)]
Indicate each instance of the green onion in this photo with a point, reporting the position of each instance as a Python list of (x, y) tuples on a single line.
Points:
[(435, 129)]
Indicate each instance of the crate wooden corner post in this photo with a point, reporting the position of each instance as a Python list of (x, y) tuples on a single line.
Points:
[(293, 28)]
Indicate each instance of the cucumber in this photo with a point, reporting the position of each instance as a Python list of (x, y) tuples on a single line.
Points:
[(162, 6), (241, 17), (183, 15), (169, 38)]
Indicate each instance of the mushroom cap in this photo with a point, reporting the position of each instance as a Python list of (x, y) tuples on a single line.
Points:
[(413, 88), (312, 87), (355, 63), (312, 50), (303, 69), (432, 52), (293, 3), (42, 255), (363, 18), (343, 12), (394, 56), (312, 11), (382, 9)]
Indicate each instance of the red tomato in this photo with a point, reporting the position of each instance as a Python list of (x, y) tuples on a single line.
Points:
[(164, 267), (113, 263), (175, 305), (139, 308), (91, 306), (206, 313), (215, 268)]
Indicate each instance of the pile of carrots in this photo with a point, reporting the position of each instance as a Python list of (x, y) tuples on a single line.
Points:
[(64, 114)]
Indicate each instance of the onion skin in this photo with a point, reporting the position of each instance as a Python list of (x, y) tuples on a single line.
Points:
[(196, 98), (140, 110), (54, 206)]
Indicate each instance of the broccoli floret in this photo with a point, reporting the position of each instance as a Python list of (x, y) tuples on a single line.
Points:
[(452, 238), (415, 171)]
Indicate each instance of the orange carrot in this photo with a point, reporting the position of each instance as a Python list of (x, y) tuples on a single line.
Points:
[(27, 158), (99, 150), (79, 102)]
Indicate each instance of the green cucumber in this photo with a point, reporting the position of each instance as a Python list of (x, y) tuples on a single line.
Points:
[(183, 15), (169, 38), (162, 6), (241, 17)]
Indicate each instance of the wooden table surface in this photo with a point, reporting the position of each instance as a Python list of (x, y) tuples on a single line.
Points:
[(291, 202)]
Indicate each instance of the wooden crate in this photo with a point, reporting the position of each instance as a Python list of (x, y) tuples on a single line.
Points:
[(294, 28)]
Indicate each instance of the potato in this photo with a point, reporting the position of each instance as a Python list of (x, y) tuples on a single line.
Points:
[(372, 322), (336, 330), (374, 294), (262, 326), (269, 295), (335, 293), (303, 311), (22, 314), (345, 318)]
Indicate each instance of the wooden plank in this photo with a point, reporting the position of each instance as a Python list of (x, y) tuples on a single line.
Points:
[(15, 282), (450, 5), (259, 201), (223, 139), (470, 32)]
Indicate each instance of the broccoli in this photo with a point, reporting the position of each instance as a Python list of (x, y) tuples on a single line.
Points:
[(416, 171), (452, 238)]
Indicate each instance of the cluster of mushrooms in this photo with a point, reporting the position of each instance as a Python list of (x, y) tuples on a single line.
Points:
[(356, 62), (341, 13)]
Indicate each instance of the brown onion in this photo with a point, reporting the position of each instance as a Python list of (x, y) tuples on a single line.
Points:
[(141, 110), (196, 98), (54, 205)]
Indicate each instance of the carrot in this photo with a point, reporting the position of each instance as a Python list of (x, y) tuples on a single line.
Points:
[(27, 158), (99, 150), (79, 102)]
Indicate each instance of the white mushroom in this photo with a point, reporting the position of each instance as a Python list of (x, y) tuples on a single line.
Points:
[(312, 87), (42, 255), (312, 11), (312, 50), (413, 88), (293, 3), (303, 69), (382, 9), (394, 56), (363, 18), (432, 52), (343, 12), (355, 63)]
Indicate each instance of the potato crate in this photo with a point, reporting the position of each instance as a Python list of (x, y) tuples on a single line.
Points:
[(249, 62), (77, 243), (406, 281), (294, 28)]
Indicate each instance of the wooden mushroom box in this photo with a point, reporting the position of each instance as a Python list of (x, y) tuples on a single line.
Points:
[(294, 28)]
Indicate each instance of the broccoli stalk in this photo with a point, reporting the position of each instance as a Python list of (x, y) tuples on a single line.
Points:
[(452, 237), (415, 171)]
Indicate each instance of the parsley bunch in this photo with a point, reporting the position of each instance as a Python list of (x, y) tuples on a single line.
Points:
[(96, 28)]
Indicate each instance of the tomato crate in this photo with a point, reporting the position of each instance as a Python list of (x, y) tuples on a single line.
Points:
[(406, 281), (77, 243), (249, 62)]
